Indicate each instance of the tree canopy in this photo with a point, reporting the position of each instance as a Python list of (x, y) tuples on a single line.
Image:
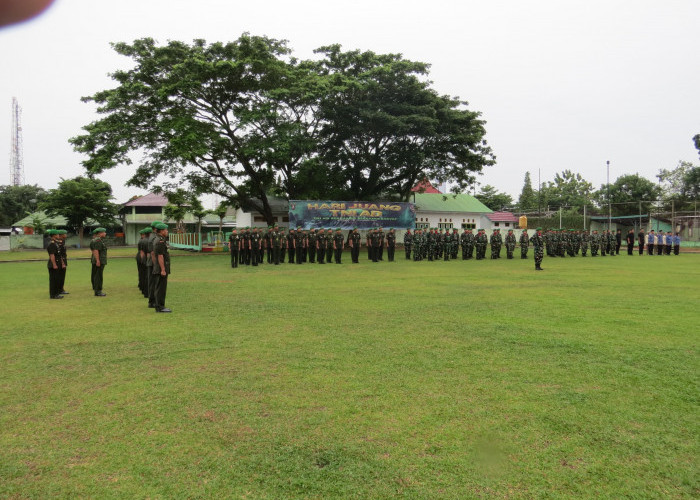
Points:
[(528, 199), (245, 120), (626, 194), (80, 199), (568, 190), (492, 198), (17, 201)]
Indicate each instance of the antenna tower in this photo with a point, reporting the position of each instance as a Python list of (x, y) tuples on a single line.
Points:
[(16, 155)]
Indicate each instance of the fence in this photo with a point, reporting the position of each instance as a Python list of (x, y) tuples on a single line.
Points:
[(187, 241)]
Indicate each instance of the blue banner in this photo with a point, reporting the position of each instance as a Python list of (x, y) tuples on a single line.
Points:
[(317, 214)]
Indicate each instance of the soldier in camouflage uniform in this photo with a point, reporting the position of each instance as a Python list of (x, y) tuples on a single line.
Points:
[(321, 246), (494, 244), (407, 243), (329, 246), (524, 244), (510, 244), (234, 246), (355, 241), (447, 245), (311, 243), (391, 244), (276, 242), (338, 243), (418, 245), (595, 243), (585, 240), (481, 241), (538, 246), (291, 240)]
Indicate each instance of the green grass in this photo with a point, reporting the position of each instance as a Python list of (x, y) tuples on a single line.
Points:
[(419, 380)]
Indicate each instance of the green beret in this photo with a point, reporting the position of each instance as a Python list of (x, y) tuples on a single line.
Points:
[(99, 230), (337, 229), (147, 230), (51, 232), (161, 226), (538, 229), (155, 223)]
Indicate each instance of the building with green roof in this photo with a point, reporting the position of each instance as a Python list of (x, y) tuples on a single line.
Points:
[(447, 211)]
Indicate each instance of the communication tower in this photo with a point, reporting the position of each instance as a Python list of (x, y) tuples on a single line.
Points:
[(16, 153)]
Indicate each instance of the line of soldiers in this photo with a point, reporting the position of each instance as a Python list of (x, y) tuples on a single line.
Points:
[(250, 245), (153, 265), (434, 244), (563, 242)]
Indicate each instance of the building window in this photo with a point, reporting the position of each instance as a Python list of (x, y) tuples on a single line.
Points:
[(445, 225), (496, 224), (507, 224), (468, 226)]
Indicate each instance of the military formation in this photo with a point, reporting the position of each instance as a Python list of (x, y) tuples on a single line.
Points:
[(253, 246)]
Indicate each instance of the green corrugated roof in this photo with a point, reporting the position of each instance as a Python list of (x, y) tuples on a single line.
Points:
[(429, 202)]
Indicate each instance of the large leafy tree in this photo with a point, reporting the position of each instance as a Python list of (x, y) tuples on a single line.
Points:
[(681, 184), (80, 199), (232, 119), (17, 201), (627, 193), (492, 198), (568, 190), (384, 128)]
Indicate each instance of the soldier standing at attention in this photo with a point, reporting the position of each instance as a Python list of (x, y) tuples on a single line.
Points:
[(510, 244), (391, 244), (618, 241), (470, 244), (149, 263), (355, 241), (299, 245), (291, 241), (283, 246), (640, 241), (255, 246), (382, 243), (650, 242), (234, 246), (338, 242), (494, 244), (585, 239), (538, 245), (524, 244), (267, 245), (321, 246), (446, 245), (595, 241), (61, 242), (276, 240), (407, 243), (98, 250), (329, 246), (161, 268), (141, 256), (311, 243), (481, 242), (630, 242), (53, 265)]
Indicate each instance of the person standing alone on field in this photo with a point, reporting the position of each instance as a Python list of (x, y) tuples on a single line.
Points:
[(538, 245)]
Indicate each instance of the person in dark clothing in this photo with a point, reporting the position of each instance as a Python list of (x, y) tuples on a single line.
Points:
[(618, 241), (630, 241), (640, 241)]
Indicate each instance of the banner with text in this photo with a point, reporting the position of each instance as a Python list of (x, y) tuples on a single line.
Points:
[(315, 214)]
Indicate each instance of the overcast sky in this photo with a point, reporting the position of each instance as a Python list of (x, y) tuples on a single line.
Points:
[(561, 84)]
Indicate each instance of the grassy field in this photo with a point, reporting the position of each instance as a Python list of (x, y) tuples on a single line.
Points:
[(406, 380)]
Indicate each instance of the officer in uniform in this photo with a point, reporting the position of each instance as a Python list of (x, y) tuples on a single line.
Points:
[(407, 243), (538, 245), (524, 244), (630, 241), (338, 242), (234, 246), (98, 250), (149, 263), (141, 257), (640, 241), (311, 244), (161, 267), (291, 240), (299, 244), (61, 242), (510, 244), (585, 240), (321, 246), (54, 265), (391, 244), (481, 242), (355, 242), (283, 246)]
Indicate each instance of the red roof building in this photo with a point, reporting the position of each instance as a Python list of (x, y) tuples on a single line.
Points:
[(425, 186)]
